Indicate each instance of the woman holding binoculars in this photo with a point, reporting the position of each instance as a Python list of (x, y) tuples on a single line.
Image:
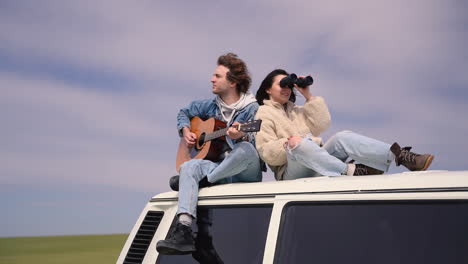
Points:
[(289, 139)]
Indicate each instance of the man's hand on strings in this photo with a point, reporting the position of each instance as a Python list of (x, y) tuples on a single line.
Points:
[(189, 137)]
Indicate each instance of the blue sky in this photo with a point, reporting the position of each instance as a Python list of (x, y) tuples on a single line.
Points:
[(90, 90)]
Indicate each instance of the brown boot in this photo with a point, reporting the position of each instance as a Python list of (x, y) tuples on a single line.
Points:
[(363, 170), (412, 161)]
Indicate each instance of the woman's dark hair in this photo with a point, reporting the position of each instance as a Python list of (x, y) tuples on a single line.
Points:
[(267, 83), (238, 72)]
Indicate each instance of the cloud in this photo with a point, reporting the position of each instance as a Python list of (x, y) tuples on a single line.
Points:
[(375, 63), (78, 134)]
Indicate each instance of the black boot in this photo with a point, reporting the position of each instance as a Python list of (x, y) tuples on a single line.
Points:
[(174, 183), (412, 161), (363, 170), (179, 242)]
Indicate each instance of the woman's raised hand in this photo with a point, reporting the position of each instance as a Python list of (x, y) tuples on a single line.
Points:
[(304, 91)]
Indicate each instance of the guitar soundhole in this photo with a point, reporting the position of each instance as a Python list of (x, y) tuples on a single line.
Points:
[(201, 140)]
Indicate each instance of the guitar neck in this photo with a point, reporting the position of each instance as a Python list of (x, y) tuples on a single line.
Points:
[(216, 134), (252, 126)]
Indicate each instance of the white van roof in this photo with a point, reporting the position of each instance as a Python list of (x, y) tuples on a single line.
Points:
[(439, 180)]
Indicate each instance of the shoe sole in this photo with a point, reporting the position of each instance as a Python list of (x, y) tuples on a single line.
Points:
[(174, 184), (428, 163), (169, 249)]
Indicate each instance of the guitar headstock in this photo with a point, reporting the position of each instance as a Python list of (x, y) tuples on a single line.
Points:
[(250, 126)]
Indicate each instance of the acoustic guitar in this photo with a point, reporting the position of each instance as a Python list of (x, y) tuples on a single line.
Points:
[(211, 139)]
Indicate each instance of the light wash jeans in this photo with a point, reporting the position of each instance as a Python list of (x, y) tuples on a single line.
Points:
[(308, 159), (242, 164)]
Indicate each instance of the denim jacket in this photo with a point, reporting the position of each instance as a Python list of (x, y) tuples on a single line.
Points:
[(207, 108)]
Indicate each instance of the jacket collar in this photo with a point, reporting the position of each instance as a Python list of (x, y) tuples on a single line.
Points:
[(289, 105)]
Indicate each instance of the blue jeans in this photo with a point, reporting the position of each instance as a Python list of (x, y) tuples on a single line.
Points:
[(308, 159), (242, 164)]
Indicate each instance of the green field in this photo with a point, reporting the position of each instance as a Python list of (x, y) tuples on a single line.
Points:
[(83, 249)]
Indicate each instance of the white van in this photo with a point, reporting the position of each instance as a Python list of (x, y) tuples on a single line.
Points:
[(410, 217)]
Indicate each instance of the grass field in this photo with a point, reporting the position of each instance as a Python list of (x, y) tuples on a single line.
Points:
[(83, 249)]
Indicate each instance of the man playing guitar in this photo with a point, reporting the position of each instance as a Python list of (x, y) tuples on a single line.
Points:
[(234, 105)]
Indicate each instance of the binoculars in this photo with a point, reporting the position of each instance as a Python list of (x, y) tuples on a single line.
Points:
[(292, 79)]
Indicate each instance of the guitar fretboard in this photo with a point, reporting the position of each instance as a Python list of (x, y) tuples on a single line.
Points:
[(216, 134), (252, 126)]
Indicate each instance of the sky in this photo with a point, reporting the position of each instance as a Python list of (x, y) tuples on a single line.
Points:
[(90, 90)]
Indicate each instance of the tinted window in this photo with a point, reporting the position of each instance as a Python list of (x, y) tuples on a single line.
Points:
[(416, 232), (238, 234)]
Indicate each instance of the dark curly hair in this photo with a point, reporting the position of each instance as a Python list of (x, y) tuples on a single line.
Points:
[(238, 72), (267, 83)]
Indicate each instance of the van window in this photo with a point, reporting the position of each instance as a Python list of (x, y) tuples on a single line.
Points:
[(238, 235), (374, 232)]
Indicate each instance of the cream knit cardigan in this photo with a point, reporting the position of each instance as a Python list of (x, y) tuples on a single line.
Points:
[(279, 123)]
